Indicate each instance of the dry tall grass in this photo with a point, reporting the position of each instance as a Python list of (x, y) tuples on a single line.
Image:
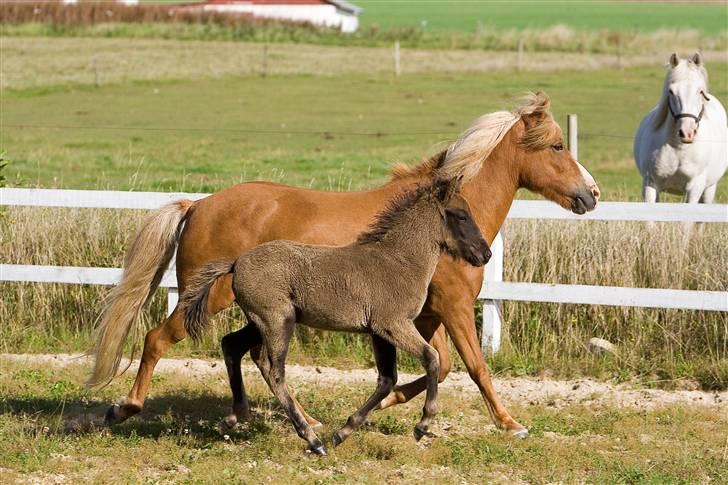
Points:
[(656, 345), (34, 61)]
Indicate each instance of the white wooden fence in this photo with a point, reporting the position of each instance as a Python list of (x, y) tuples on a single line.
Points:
[(494, 289)]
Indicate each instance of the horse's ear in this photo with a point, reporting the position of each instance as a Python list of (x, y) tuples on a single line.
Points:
[(697, 59), (674, 59)]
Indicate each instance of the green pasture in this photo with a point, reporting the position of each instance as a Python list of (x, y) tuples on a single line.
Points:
[(338, 132), (469, 15)]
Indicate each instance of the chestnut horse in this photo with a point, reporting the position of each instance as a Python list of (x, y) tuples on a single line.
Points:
[(498, 154)]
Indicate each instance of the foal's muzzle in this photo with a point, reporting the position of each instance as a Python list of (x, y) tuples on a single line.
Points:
[(478, 255)]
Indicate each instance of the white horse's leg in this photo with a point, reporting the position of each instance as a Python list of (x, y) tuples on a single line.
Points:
[(650, 195), (708, 194), (692, 196), (649, 191)]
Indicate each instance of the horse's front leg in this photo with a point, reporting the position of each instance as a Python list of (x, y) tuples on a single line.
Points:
[(456, 311)]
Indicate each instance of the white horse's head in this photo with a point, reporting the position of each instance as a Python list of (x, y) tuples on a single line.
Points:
[(684, 95)]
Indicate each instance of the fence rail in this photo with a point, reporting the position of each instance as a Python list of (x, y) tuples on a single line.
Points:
[(494, 289)]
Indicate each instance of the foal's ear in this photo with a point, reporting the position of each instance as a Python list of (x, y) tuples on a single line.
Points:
[(445, 188), (674, 59)]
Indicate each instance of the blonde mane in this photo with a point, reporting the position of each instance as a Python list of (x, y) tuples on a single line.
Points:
[(465, 157)]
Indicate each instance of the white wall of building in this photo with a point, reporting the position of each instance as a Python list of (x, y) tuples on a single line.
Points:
[(325, 15)]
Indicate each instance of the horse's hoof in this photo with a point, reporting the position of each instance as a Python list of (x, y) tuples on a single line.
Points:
[(421, 433), (113, 415), (318, 450), (230, 421), (519, 433), (337, 439)]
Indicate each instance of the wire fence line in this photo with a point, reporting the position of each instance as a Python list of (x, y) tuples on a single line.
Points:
[(376, 134)]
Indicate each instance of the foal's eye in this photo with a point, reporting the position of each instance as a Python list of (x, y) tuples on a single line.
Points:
[(558, 147)]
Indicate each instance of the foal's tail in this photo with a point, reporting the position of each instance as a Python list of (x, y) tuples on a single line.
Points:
[(144, 265), (193, 302)]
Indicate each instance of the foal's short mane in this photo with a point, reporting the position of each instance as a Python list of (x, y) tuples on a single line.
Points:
[(465, 157), (389, 216)]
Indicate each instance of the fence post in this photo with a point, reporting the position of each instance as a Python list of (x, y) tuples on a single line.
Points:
[(172, 293), (96, 73), (571, 122), (396, 58), (491, 338), (519, 59), (172, 299), (265, 61)]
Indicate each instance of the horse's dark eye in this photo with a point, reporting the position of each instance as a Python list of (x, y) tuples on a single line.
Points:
[(558, 147)]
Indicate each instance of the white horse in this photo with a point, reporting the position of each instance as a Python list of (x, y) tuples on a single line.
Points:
[(681, 146)]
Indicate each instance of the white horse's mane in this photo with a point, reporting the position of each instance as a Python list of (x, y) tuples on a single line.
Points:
[(685, 70)]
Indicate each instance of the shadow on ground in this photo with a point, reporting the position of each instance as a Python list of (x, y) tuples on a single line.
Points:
[(199, 416)]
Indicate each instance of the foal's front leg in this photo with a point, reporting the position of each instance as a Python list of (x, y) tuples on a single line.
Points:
[(385, 355)]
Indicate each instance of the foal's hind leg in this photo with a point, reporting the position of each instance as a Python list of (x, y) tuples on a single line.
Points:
[(385, 355), (261, 361), (404, 335), (276, 337)]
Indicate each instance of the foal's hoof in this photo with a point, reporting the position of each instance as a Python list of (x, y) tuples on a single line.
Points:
[(421, 433), (337, 439), (113, 415), (317, 450)]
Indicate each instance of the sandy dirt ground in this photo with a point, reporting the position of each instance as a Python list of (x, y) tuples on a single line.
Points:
[(525, 390)]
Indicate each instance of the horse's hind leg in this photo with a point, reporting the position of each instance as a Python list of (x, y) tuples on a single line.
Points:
[(385, 355), (404, 335), (156, 343), (234, 346)]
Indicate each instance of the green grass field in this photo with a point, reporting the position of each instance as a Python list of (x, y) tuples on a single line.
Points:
[(339, 132), (468, 15)]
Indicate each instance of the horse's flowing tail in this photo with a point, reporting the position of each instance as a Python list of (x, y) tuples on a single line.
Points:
[(144, 265), (193, 302)]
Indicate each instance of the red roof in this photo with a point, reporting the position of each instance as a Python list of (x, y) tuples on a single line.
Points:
[(273, 2)]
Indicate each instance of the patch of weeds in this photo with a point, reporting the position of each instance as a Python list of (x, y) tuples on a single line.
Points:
[(379, 450), (390, 425), (468, 451), (33, 376), (61, 389)]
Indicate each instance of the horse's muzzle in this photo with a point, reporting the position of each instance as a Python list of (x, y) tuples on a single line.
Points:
[(583, 202)]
